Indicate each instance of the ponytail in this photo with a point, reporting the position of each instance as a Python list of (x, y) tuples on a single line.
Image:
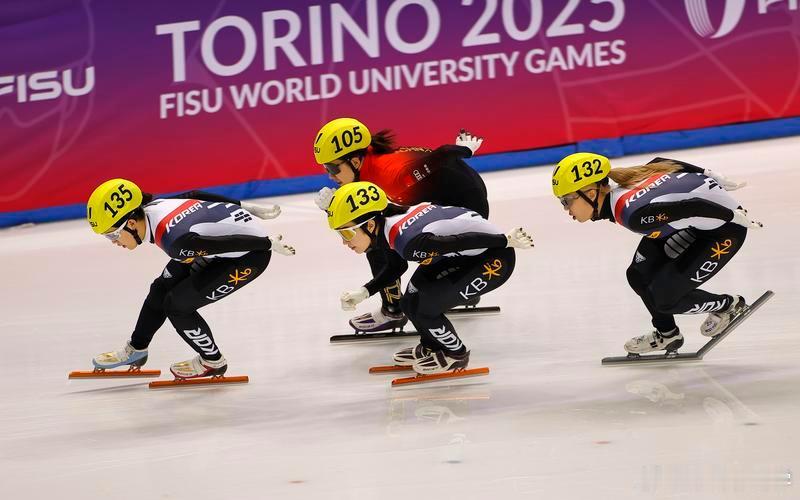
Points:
[(629, 177), (383, 142)]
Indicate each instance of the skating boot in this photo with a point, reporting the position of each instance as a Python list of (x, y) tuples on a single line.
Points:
[(198, 367), (378, 321), (410, 355), (655, 341), (717, 322), (128, 356), (441, 362)]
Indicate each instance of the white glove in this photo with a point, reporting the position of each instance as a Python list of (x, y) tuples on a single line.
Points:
[(727, 184), (351, 299), (740, 217), (468, 140), (324, 197), (280, 247), (262, 212), (518, 238)]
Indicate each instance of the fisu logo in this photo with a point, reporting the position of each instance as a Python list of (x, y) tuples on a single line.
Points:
[(697, 11)]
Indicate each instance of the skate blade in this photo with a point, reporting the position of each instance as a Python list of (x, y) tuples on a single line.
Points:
[(237, 379), (694, 356), (473, 310), (421, 379), (651, 359), (389, 369), (115, 373), (374, 336)]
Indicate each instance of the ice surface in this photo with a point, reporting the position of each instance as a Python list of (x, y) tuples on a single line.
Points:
[(549, 422)]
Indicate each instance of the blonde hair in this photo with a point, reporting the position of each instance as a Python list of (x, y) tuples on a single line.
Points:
[(629, 177)]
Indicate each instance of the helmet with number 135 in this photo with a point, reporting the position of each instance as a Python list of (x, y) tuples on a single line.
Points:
[(110, 204)]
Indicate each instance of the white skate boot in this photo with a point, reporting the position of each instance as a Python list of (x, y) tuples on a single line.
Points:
[(128, 356), (655, 341), (441, 362), (378, 321), (718, 321), (199, 367), (410, 355)]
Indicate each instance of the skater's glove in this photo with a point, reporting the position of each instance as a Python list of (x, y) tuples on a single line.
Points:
[(468, 140), (351, 299), (262, 211), (518, 238), (280, 247), (740, 217), (324, 197), (727, 184)]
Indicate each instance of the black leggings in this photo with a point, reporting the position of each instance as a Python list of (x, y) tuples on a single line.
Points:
[(439, 287), (182, 289), (667, 272)]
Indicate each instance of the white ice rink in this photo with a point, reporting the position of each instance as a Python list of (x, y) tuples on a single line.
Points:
[(549, 422)]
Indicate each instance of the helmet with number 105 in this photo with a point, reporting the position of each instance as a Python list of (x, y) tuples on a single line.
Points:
[(111, 202), (577, 171), (340, 137), (353, 201)]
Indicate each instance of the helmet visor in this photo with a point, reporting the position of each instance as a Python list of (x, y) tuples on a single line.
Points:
[(567, 200), (348, 233), (115, 234), (332, 168)]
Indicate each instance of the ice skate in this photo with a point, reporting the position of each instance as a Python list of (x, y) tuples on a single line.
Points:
[(671, 356), (378, 325), (403, 359), (198, 371), (410, 355), (717, 322), (441, 362), (655, 341), (198, 367), (128, 357), (378, 321)]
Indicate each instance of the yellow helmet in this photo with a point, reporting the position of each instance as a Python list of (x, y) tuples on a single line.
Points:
[(354, 200), (110, 202), (340, 137), (577, 171)]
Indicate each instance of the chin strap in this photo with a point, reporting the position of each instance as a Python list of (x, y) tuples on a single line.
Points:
[(134, 233), (594, 203)]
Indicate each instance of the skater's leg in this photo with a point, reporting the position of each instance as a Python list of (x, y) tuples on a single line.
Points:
[(434, 290), (674, 288), (151, 317), (647, 260), (218, 280), (152, 314)]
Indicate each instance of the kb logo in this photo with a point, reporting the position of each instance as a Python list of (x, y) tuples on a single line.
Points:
[(701, 22)]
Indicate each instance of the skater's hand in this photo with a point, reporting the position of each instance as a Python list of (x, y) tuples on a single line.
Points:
[(468, 140), (518, 238), (351, 299), (727, 184), (740, 217), (324, 197), (262, 211), (280, 247)]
